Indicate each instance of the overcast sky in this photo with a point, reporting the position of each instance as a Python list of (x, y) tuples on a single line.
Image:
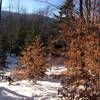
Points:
[(29, 6)]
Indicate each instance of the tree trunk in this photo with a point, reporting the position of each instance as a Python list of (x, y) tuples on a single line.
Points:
[(81, 9), (0, 8), (88, 10), (98, 11)]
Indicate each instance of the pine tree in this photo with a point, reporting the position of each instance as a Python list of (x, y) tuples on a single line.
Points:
[(21, 32), (3, 51), (67, 9), (31, 35)]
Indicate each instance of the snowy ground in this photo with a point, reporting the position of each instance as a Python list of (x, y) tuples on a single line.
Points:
[(25, 90)]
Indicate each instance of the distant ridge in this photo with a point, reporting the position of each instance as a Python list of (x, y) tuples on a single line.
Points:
[(6, 14)]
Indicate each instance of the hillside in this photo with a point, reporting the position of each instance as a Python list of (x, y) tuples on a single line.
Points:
[(6, 14)]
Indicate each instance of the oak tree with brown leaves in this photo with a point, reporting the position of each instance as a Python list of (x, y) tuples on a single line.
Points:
[(34, 61)]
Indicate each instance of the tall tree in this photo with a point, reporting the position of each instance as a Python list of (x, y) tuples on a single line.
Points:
[(88, 10), (81, 9), (3, 50), (99, 10), (2, 43), (0, 8), (66, 10)]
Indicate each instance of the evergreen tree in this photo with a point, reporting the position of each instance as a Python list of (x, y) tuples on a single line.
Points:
[(3, 51), (31, 34), (20, 34), (67, 9)]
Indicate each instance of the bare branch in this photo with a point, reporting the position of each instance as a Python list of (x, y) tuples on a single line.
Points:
[(47, 2)]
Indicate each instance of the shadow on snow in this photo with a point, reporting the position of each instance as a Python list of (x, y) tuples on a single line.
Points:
[(16, 96)]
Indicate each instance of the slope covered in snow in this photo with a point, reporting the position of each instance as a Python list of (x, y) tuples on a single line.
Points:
[(25, 90)]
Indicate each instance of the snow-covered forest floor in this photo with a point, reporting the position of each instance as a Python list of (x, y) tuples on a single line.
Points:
[(25, 90)]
